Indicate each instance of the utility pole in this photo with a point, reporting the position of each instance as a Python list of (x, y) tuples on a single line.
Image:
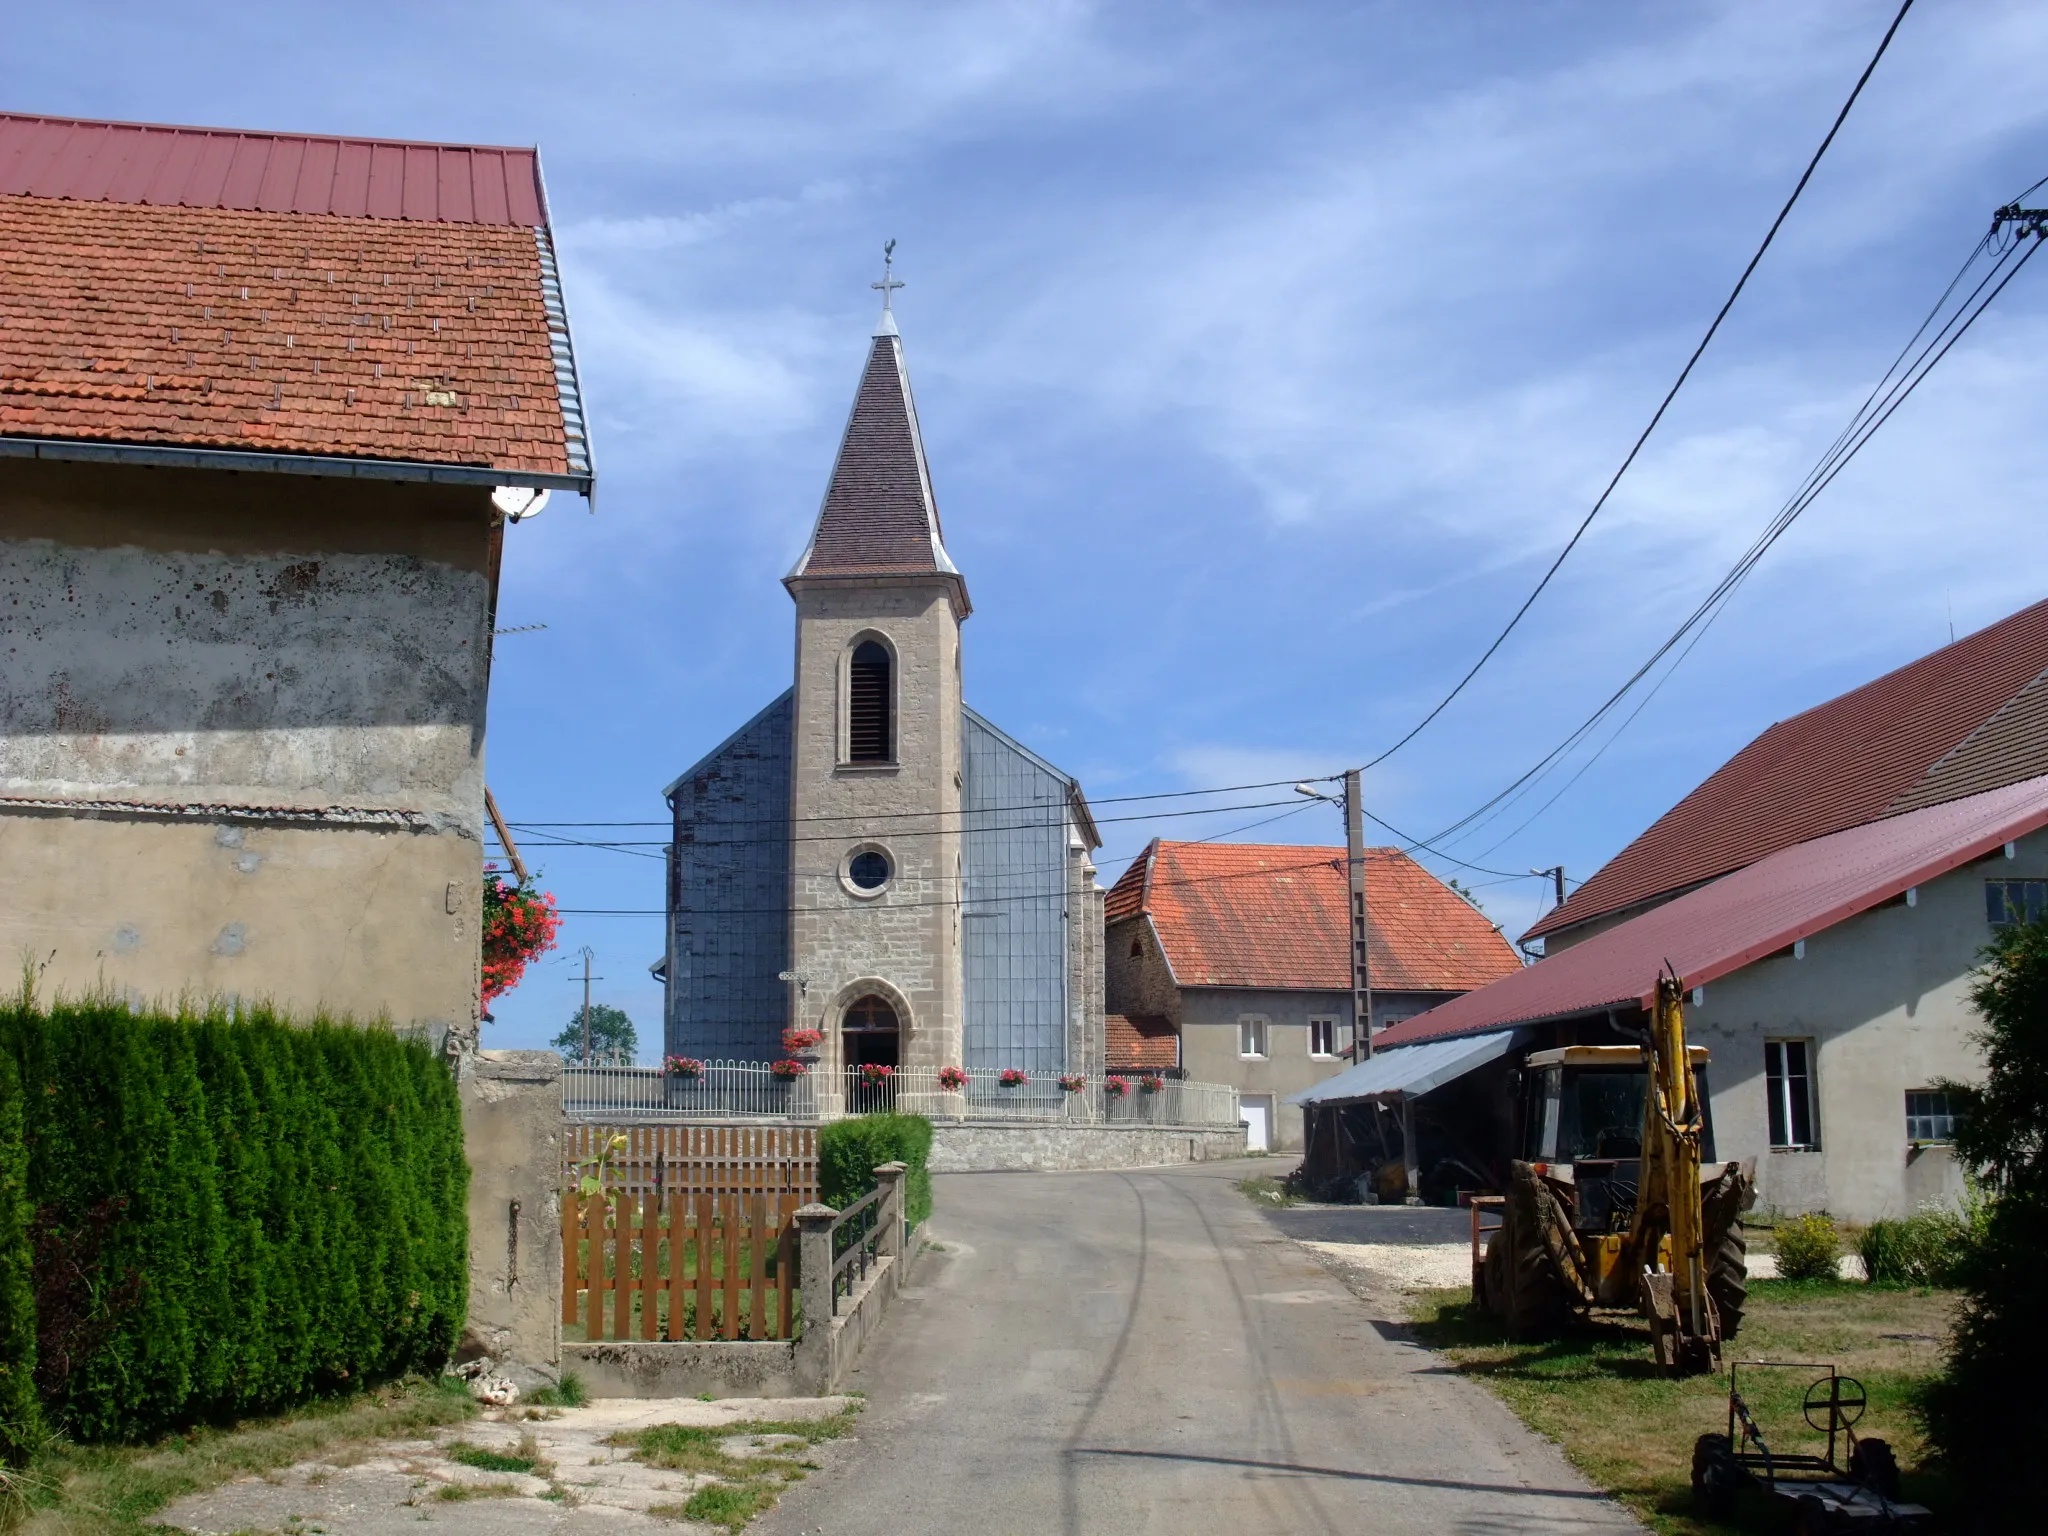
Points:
[(586, 1005), (1361, 963)]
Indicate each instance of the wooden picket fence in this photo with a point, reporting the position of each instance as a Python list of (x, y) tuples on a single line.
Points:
[(773, 1160), (694, 1236), (638, 1265)]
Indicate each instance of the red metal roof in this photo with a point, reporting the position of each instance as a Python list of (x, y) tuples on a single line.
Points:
[(268, 172), (1273, 915), (177, 292), (1897, 743), (1789, 895)]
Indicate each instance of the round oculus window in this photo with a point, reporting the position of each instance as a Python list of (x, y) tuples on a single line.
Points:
[(869, 870)]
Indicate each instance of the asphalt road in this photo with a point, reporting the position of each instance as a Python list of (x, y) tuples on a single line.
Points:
[(1145, 1352)]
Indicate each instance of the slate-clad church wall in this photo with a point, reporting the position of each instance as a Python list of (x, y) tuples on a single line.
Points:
[(1014, 916), (730, 883)]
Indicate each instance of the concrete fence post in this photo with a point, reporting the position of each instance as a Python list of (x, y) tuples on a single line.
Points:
[(814, 1265), (890, 1220)]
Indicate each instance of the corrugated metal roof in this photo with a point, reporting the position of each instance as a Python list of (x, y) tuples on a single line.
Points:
[(1875, 751), (1409, 1071), (1710, 932), (269, 172), (1274, 915)]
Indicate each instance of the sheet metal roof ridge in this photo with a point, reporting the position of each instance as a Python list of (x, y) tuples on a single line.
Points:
[(34, 145), (1740, 890), (340, 466)]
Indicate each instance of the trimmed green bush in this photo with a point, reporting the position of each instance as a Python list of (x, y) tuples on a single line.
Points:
[(19, 1418), (232, 1215), (1929, 1247), (849, 1151), (1808, 1247)]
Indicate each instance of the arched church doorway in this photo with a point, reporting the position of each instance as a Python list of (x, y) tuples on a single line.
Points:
[(870, 1038)]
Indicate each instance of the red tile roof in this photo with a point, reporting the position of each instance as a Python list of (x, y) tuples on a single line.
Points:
[(878, 517), (1141, 1043), (1953, 723), (1708, 933), (1265, 915), (261, 321)]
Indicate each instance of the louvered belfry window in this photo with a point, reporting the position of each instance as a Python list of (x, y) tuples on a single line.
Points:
[(870, 728)]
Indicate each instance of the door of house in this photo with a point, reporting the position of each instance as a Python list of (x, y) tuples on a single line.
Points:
[(870, 1046), (1257, 1114)]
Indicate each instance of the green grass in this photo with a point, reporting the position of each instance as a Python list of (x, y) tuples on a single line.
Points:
[(488, 1461), (745, 1485), (1630, 1428), (455, 1493), (114, 1490), (570, 1392)]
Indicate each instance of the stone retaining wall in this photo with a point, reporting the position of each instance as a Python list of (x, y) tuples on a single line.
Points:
[(1005, 1146)]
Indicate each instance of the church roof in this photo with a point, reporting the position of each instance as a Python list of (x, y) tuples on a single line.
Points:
[(878, 516)]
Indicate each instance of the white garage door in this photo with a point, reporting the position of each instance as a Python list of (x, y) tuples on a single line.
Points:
[(1257, 1115)]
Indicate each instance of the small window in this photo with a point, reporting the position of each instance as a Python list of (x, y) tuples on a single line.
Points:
[(1322, 1037), (1788, 1078), (1929, 1118), (870, 730), (1137, 949), (1251, 1038), (2014, 901)]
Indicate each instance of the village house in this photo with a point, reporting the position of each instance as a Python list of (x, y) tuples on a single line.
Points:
[(265, 403), (1825, 896), (868, 857), (1237, 957)]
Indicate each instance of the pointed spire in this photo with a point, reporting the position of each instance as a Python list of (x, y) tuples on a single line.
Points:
[(879, 517)]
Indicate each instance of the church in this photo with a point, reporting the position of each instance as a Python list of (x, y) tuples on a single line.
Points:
[(868, 857)]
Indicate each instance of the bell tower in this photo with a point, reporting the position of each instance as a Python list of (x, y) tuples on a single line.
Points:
[(875, 771)]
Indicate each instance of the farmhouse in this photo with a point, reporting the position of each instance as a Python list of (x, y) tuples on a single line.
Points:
[(264, 400)]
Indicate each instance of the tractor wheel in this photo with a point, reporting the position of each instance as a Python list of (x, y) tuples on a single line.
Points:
[(1873, 1465), (1522, 1282), (1716, 1477), (1721, 1205)]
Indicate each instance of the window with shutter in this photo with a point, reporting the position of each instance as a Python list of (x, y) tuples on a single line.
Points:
[(870, 726)]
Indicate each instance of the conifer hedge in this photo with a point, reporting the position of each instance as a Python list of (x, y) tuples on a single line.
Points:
[(850, 1150), (18, 1416), (231, 1215)]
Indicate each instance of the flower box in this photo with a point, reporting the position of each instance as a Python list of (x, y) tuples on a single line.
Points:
[(795, 1040), (874, 1076), (1150, 1084), (1013, 1077), (1115, 1087), (789, 1071), (1073, 1084), (688, 1068), (952, 1079)]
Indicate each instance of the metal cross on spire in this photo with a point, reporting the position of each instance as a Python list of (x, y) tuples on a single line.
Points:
[(890, 282)]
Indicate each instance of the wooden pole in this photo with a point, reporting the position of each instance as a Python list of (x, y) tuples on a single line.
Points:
[(504, 837)]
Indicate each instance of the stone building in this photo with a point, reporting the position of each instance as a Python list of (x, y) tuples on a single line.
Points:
[(1826, 895), (868, 856), (257, 394), (1235, 957)]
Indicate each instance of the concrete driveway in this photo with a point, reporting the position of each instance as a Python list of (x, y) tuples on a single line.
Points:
[(1146, 1352)]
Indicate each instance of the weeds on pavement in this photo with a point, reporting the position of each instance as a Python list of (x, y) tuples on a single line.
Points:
[(743, 1486)]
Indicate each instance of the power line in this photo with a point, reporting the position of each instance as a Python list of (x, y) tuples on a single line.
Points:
[(1897, 384), (1663, 406)]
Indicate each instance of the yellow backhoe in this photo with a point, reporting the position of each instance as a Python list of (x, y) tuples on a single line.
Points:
[(1610, 1208)]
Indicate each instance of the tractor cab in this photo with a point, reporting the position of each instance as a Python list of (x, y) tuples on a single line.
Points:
[(1582, 1124)]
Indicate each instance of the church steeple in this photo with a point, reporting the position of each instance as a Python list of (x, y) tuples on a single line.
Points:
[(879, 517)]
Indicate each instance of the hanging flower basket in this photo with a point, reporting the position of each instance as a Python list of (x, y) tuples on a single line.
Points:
[(1150, 1084), (952, 1079), (1013, 1077), (1073, 1084), (519, 926), (688, 1068), (789, 1071), (875, 1076), (794, 1040), (1115, 1087)]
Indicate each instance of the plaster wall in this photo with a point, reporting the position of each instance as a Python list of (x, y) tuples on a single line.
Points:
[(909, 937), (512, 1133), (241, 735), (1884, 997)]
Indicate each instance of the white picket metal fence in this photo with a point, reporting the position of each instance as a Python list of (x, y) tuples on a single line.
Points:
[(751, 1091)]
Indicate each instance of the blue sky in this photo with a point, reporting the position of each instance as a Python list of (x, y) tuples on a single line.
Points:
[(1265, 355)]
